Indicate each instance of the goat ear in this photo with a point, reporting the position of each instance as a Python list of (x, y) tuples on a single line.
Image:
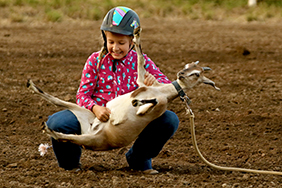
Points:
[(209, 82), (206, 68)]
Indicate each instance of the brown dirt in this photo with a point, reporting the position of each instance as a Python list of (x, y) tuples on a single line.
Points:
[(239, 126)]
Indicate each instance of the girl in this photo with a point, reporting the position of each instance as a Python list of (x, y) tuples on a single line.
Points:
[(107, 74)]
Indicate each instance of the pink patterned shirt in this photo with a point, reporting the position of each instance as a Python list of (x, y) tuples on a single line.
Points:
[(115, 78)]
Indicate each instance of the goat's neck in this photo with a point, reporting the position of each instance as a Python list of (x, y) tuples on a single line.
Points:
[(170, 90), (183, 86)]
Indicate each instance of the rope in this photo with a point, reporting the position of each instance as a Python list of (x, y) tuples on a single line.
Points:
[(192, 125)]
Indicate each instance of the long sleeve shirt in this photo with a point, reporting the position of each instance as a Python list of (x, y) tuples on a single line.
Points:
[(112, 79)]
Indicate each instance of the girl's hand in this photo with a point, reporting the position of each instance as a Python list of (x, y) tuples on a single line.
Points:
[(149, 79), (102, 113)]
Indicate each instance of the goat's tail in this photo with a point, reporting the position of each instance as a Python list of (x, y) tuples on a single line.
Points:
[(42, 148), (48, 97)]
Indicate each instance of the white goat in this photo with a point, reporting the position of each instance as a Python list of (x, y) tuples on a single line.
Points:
[(130, 113)]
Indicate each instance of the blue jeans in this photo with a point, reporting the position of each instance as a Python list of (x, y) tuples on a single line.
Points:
[(67, 154), (147, 146)]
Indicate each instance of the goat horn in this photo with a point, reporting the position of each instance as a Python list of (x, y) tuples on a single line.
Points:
[(206, 68), (196, 62)]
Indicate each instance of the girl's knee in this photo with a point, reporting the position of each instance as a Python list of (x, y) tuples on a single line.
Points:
[(64, 121), (171, 120), (53, 121)]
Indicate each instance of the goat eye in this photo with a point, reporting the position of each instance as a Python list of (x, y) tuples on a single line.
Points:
[(195, 74)]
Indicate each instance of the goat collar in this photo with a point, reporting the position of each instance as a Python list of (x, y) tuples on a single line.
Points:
[(180, 92)]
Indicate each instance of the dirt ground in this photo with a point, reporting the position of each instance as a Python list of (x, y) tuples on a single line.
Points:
[(240, 126)]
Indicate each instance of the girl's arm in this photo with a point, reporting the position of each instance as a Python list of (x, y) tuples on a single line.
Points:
[(87, 84)]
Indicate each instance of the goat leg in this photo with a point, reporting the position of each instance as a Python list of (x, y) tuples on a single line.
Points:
[(87, 141), (141, 59), (84, 116)]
